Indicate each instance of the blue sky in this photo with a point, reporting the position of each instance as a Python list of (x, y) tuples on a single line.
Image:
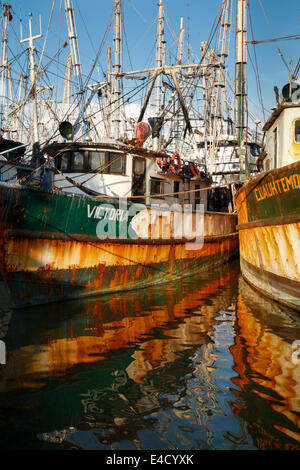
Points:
[(94, 16)]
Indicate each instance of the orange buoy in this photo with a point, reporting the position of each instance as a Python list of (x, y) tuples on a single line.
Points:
[(176, 160)]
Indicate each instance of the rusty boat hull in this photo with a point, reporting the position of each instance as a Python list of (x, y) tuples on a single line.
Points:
[(51, 249), (268, 209)]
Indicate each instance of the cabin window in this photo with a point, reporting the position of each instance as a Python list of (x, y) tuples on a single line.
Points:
[(83, 161), (156, 186), (254, 150), (297, 131), (96, 160), (115, 162), (64, 161), (78, 161), (139, 166), (176, 188), (71, 162)]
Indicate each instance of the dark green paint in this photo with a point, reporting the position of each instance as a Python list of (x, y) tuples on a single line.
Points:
[(264, 203), (63, 213)]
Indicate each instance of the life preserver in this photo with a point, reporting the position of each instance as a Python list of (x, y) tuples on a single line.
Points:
[(194, 169), (174, 157), (162, 162)]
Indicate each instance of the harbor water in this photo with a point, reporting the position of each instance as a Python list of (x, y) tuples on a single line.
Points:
[(204, 363)]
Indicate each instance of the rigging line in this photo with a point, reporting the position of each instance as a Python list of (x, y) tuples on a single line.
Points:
[(188, 27), (74, 239), (20, 45), (190, 191), (102, 167), (126, 42), (279, 52), (295, 73), (94, 126), (285, 38), (246, 143), (58, 45), (64, 149), (172, 31), (187, 87), (149, 195), (256, 64), (37, 71), (136, 91), (46, 37), (87, 32), (262, 107), (212, 34), (53, 59), (100, 49), (138, 12), (16, 59), (85, 27), (216, 23)]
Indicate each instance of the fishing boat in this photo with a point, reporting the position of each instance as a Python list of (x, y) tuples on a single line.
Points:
[(268, 205), (268, 211), (84, 217)]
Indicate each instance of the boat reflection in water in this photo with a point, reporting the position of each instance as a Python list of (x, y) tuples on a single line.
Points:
[(183, 366), (266, 353)]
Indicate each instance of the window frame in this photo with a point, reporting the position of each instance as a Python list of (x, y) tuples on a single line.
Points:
[(68, 152), (297, 121), (275, 147), (89, 160), (176, 189), (153, 179), (86, 168), (107, 161)]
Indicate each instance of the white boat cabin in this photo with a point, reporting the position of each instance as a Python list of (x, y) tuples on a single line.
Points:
[(282, 144), (118, 170)]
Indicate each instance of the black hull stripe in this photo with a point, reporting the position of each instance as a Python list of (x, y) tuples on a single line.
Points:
[(282, 284), (89, 238), (284, 220)]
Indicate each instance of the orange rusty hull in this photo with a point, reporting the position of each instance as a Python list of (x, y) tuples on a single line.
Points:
[(269, 234), (42, 270), (58, 246)]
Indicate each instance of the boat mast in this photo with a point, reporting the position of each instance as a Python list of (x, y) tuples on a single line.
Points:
[(217, 118), (240, 81), (159, 64), (108, 92), (4, 64), (67, 81), (180, 43), (75, 57), (32, 65), (220, 72), (117, 68)]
